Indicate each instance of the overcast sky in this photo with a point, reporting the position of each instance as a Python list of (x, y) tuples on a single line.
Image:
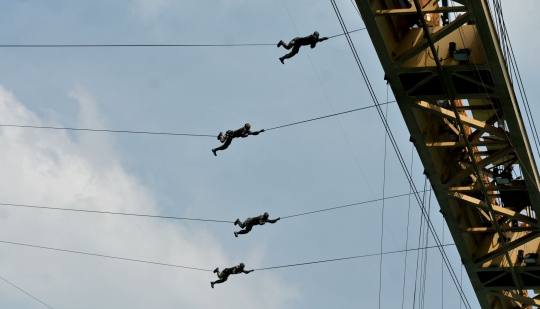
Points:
[(205, 90)]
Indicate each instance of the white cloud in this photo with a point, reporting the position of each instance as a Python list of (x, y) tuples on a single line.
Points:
[(149, 9), (48, 167)]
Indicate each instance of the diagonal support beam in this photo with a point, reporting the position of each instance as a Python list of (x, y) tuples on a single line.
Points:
[(471, 122), (462, 144), (497, 209), (491, 120), (492, 187), (504, 229), (481, 164), (401, 12), (424, 44), (509, 246), (518, 298)]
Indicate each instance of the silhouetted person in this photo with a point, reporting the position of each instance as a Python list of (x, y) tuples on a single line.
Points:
[(298, 42), (250, 222), (230, 134), (225, 273)]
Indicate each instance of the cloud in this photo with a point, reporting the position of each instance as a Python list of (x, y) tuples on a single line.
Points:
[(54, 168), (150, 9)]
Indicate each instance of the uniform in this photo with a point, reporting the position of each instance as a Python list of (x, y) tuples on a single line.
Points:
[(248, 224), (298, 42), (230, 134), (225, 273)]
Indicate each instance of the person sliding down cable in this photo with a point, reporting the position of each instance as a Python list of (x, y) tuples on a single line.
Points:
[(298, 42), (250, 222), (224, 274), (230, 134)]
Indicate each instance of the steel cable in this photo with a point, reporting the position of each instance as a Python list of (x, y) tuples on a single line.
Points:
[(148, 45)]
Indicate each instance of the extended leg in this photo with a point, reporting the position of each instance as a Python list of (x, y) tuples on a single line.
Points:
[(294, 51), (244, 231), (224, 146), (221, 280), (217, 282)]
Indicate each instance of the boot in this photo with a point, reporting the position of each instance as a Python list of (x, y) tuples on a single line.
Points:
[(235, 234), (281, 59), (214, 151), (212, 284)]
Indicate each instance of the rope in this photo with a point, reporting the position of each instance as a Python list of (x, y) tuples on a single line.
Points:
[(383, 204), (105, 130), (407, 236), (442, 269), (419, 243), (344, 206), (349, 258), (327, 116), (202, 269), (115, 213), (102, 255), (191, 219), (148, 45), (179, 134), (18, 288)]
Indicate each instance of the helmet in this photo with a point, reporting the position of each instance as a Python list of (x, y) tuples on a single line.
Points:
[(241, 265), (247, 126), (266, 215), (316, 34)]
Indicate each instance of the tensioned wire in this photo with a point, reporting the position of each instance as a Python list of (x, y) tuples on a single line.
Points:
[(18, 288), (147, 45), (383, 204), (180, 134), (194, 219), (407, 235), (399, 155), (204, 269)]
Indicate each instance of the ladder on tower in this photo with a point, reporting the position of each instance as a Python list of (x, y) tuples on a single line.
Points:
[(453, 88)]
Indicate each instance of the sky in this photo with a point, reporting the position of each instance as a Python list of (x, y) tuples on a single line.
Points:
[(205, 90)]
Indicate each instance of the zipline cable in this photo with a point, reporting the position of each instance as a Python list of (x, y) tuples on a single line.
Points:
[(18, 288), (179, 134), (114, 213), (101, 255), (383, 204), (106, 130), (351, 257), (190, 219), (407, 236), (202, 269), (147, 45), (348, 205), (327, 116)]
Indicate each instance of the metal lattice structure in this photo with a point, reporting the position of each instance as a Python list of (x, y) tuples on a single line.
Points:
[(454, 90)]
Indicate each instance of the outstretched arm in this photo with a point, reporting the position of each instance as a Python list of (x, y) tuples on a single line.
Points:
[(273, 221), (256, 132), (247, 271), (323, 39)]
